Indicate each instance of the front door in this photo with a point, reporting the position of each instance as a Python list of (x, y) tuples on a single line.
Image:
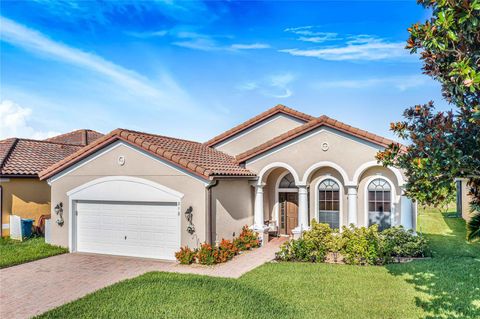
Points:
[(288, 212)]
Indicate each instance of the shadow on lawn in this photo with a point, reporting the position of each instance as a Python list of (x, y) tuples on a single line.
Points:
[(450, 282)]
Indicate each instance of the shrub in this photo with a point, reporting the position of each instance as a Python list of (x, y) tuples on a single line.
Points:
[(247, 239), (404, 243), (206, 254), (185, 256), (300, 250), (226, 250), (361, 246)]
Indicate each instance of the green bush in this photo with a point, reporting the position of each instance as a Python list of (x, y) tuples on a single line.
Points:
[(357, 245), (206, 255), (404, 243), (247, 239)]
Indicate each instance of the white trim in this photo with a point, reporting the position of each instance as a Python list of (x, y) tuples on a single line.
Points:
[(113, 146), (367, 165), (131, 179), (4, 180), (393, 199), (257, 126), (341, 192), (5, 226), (276, 165), (276, 207), (333, 165), (308, 135)]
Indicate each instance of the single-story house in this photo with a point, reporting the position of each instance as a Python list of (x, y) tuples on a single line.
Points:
[(140, 194), (21, 192)]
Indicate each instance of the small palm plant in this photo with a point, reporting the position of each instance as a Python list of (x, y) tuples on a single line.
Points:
[(473, 227)]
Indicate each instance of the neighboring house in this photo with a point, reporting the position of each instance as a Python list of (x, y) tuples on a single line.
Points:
[(463, 199), (21, 192), (139, 194)]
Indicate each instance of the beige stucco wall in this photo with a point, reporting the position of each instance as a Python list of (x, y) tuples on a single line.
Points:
[(259, 134), (466, 201), (232, 207), (343, 150), (24, 197), (137, 165)]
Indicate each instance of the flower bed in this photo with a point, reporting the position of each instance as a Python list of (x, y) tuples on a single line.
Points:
[(207, 254), (354, 245)]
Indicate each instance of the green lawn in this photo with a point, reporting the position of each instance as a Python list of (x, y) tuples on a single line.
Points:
[(14, 252), (447, 286)]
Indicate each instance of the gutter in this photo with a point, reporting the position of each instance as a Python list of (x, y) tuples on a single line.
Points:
[(208, 209)]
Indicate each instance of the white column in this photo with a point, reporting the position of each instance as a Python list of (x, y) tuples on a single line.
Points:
[(352, 205), (406, 212), (259, 218), (303, 207)]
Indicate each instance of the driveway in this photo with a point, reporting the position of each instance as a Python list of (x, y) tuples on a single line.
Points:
[(33, 288)]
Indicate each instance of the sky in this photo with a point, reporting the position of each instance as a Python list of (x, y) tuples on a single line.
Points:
[(194, 69)]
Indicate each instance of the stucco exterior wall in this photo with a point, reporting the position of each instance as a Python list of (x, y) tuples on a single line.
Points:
[(138, 165), (259, 134), (303, 152), (24, 197), (232, 207), (466, 201)]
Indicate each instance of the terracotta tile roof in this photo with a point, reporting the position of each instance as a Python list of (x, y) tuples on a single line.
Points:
[(195, 157), (25, 157), (257, 119), (78, 137), (298, 131)]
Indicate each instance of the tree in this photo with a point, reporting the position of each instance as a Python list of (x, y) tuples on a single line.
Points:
[(443, 145)]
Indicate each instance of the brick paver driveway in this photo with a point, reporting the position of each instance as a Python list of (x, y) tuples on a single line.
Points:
[(33, 288)]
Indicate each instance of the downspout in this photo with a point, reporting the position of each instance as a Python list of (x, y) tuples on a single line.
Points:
[(208, 215)]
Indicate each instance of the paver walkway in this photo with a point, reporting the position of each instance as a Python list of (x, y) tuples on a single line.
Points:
[(30, 289)]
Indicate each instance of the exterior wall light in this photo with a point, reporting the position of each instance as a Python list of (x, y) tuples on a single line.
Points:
[(59, 211), (189, 217)]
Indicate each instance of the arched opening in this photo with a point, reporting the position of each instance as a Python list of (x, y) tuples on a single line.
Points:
[(379, 205), (287, 203)]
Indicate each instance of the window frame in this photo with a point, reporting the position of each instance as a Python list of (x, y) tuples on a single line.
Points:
[(340, 198), (393, 196)]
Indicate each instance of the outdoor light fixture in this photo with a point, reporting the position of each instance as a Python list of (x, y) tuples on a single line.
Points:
[(189, 217), (59, 211)]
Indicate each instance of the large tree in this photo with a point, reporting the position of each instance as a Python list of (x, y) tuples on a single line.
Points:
[(443, 146)]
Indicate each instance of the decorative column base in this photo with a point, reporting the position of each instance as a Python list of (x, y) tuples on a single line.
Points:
[(262, 232), (298, 231)]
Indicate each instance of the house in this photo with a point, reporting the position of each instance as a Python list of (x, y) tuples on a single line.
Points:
[(145, 195), (463, 199), (21, 192)]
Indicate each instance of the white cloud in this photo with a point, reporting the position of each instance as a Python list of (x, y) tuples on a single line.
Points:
[(147, 35), (14, 122), (309, 34), (356, 49), (166, 93), (276, 86), (401, 83), (253, 46)]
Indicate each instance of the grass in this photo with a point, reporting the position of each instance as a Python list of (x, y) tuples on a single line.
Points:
[(446, 286), (14, 252)]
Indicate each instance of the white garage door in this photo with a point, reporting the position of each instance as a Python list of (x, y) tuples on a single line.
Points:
[(130, 229)]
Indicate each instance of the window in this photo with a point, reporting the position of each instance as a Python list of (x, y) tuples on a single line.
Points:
[(329, 203), (287, 182), (379, 203)]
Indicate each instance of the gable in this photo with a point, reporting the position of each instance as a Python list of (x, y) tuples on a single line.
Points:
[(347, 151), (136, 162), (258, 133)]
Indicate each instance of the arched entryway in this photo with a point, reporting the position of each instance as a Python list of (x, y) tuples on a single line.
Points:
[(287, 204)]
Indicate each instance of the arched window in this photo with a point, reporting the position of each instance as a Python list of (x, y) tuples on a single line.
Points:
[(380, 203), (287, 182), (329, 203)]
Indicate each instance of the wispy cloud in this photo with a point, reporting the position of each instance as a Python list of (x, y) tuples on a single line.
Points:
[(310, 34), (357, 48), (401, 83), (206, 42), (147, 35), (166, 92), (276, 86), (14, 122)]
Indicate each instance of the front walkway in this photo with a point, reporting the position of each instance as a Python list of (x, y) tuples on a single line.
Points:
[(33, 288)]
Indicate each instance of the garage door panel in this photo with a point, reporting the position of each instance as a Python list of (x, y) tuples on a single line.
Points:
[(132, 229)]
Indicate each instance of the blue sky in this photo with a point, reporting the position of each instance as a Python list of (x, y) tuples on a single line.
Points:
[(195, 69)]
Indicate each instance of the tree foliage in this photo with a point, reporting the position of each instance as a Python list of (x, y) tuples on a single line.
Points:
[(443, 145)]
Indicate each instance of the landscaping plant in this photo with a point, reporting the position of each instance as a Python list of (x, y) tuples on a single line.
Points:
[(206, 254), (186, 256), (247, 239)]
